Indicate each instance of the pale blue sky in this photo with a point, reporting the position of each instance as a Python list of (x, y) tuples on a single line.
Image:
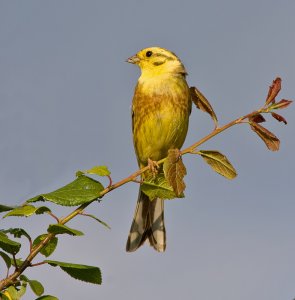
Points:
[(65, 96)]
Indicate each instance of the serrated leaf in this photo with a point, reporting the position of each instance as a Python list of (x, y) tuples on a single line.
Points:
[(22, 211), (4, 208), (273, 91), (82, 190), (6, 259), (279, 118), (98, 220), (50, 246), (202, 103), (85, 273), (270, 140), (98, 170), (219, 163), (63, 229), (8, 245), (47, 297), (174, 171), (158, 187), (281, 104)]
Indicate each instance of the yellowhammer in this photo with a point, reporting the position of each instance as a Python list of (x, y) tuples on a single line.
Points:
[(160, 113)]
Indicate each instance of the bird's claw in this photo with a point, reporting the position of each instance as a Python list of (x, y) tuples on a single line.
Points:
[(153, 166)]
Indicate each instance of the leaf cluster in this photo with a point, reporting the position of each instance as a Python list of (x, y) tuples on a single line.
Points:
[(83, 190)]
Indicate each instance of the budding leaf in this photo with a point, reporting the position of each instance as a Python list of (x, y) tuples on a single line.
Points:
[(219, 163), (257, 118), (174, 171), (281, 104), (63, 229), (158, 187), (82, 272), (279, 118), (273, 91), (82, 190), (270, 140), (202, 103)]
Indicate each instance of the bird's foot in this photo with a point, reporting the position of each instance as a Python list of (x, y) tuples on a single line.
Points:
[(153, 166)]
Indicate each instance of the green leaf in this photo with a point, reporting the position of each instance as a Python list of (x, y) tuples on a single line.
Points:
[(82, 272), (174, 171), (41, 210), (2, 233), (22, 211), (22, 290), (63, 229), (47, 297), (8, 245), (98, 170), (219, 163), (5, 296), (18, 261), (12, 291), (6, 259), (82, 190), (5, 208), (49, 248), (18, 233), (158, 187), (98, 220), (35, 285)]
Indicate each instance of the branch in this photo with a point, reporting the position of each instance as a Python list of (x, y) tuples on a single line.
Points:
[(250, 118)]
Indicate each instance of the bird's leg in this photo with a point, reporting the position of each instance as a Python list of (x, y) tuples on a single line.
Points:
[(153, 166)]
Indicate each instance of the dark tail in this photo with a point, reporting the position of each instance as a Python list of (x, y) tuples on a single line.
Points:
[(148, 223)]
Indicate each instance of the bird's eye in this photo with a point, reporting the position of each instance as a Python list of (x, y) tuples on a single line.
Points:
[(149, 53)]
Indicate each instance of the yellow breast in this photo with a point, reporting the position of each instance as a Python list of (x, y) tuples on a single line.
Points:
[(160, 114)]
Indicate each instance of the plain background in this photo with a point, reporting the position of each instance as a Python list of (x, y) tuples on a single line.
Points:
[(65, 96)]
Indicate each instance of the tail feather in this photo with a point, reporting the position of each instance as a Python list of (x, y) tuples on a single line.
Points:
[(148, 223)]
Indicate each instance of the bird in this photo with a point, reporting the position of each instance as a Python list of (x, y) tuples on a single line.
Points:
[(161, 107)]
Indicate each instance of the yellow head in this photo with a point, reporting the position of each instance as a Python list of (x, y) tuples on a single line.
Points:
[(155, 61)]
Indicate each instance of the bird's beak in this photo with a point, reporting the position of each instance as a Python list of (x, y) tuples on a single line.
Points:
[(133, 59)]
